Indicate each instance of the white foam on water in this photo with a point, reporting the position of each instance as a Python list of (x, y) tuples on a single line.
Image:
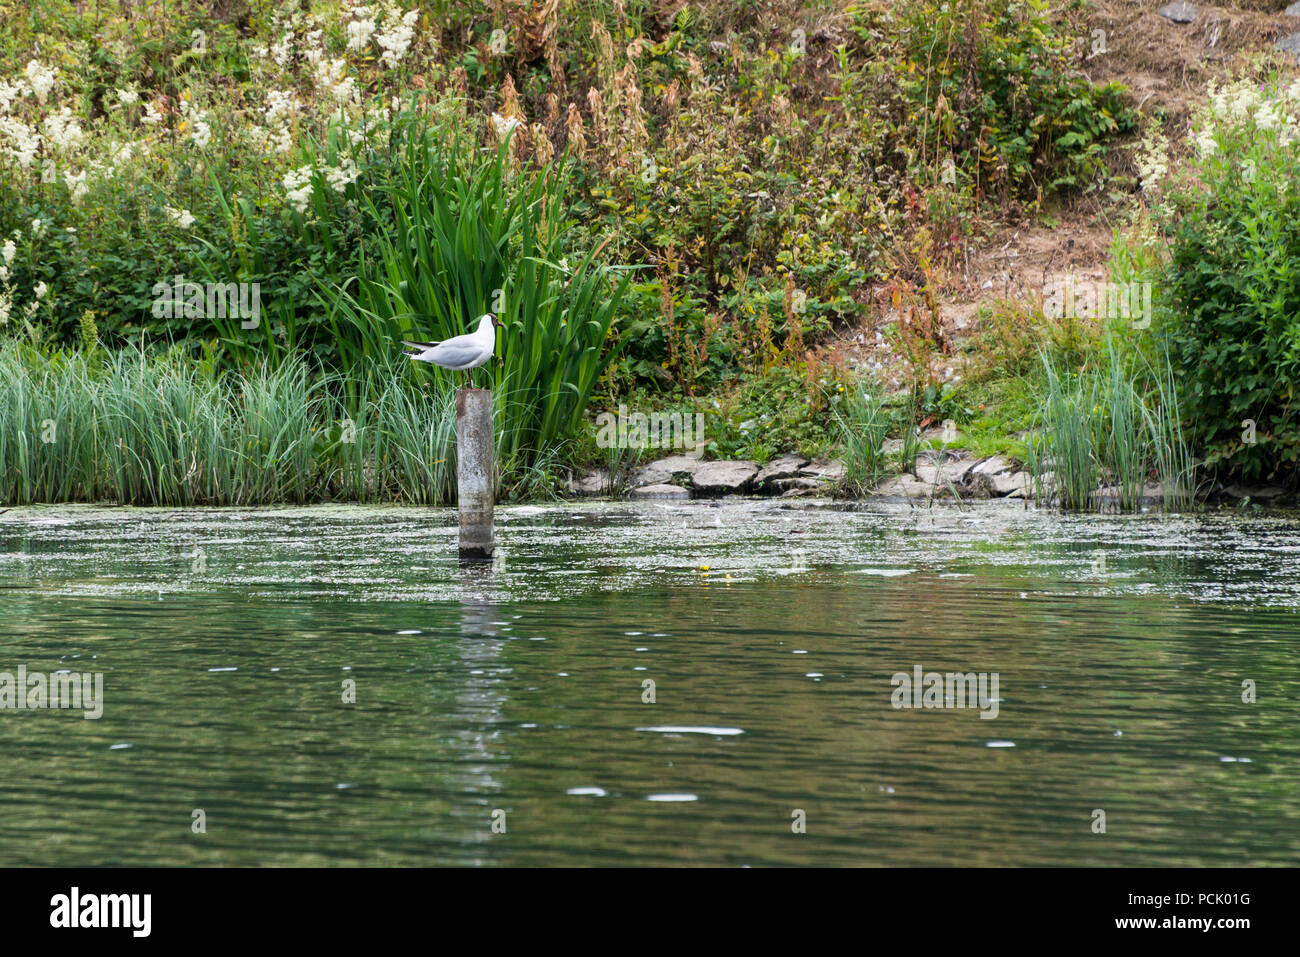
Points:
[(692, 729)]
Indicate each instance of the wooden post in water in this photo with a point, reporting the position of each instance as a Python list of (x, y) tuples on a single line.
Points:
[(475, 487)]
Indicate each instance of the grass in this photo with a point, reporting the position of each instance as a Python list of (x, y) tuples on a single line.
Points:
[(1119, 425), (165, 429), (863, 423)]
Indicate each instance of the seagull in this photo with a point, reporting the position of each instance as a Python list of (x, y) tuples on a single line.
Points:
[(461, 353)]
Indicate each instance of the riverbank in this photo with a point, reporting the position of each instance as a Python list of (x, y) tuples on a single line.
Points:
[(938, 475)]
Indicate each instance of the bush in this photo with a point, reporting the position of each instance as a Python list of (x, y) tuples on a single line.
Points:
[(1234, 282), (994, 86)]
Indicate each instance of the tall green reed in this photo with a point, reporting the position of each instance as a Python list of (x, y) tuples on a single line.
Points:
[(167, 429), (472, 236), (863, 423), (1118, 424)]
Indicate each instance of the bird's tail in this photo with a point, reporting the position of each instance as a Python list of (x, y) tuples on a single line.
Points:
[(419, 348)]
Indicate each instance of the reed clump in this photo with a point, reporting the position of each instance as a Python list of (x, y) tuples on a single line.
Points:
[(1116, 425), (165, 429)]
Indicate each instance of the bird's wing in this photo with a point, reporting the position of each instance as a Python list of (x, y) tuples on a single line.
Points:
[(419, 345), (457, 352)]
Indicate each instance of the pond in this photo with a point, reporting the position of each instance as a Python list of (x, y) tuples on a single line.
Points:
[(685, 683)]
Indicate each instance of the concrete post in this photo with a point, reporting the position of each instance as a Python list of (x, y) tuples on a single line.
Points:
[(475, 484)]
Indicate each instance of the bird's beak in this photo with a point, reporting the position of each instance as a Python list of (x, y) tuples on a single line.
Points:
[(495, 321)]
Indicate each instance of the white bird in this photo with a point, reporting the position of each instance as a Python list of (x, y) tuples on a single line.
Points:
[(460, 353)]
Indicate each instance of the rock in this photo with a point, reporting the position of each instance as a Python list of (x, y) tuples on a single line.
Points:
[(943, 475), (995, 475), (1009, 483), (1180, 11), (1293, 10), (593, 483), (992, 466), (824, 470), (934, 456), (652, 474), (1290, 45), (722, 478), (676, 465), (660, 492), (784, 467), (904, 486), (1265, 493), (797, 486)]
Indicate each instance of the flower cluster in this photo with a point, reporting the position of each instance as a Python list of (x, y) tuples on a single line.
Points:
[(297, 187), (181, 217), (298, 183), (396, 36), (1244, 105), (195, 122), (277, 134), (53, 135), (42, 79)]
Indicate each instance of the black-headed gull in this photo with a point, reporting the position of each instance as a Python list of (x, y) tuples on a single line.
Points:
[(460, 353)]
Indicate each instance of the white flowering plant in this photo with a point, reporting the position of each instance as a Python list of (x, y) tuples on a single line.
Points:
[(146, 160)]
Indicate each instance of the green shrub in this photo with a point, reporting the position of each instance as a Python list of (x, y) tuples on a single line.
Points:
[(1234, 283), (994, 85)]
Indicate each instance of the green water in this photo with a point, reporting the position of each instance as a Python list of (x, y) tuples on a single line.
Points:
[(1120, 643)]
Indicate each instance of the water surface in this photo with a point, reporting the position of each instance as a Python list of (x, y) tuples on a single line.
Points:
[(515, 692)]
